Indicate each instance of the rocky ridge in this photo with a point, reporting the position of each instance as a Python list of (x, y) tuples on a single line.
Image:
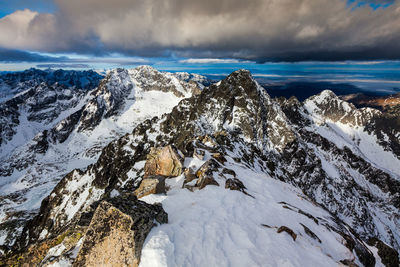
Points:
[(18, 82)]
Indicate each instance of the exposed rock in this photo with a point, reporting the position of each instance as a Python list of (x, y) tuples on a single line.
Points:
[(229, 172), (353, 243), (219, 157), (349, 263), (204, 181), (197, 153), (259, 135), (234, 184), (39, 254), (151, 185), (208, 141), (164, 161), (117, 232), (287, 230), (189, 177), (205, 174), (310, 233), (208, 168), (389, 256)]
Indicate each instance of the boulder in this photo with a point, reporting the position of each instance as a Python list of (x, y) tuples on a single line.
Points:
[(151, 185), (349, 263), (206, 172), (208, 141), (163, 161), (208, 168), (235, 184), (117, 232)]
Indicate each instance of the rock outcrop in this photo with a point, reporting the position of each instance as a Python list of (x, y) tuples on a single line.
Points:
[(163, 161), (151, 185), (111, 234), (117, 232)]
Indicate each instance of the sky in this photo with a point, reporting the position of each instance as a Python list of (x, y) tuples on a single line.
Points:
[(354, 41), (72, 31)]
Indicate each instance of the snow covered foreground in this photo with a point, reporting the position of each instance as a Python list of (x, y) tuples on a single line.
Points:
[(220, 227)]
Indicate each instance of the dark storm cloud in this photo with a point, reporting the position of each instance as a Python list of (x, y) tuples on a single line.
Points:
[(15, 56), (62, 65), (262, 30)]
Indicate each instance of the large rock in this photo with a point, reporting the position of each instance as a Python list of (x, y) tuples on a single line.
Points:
[(117, 232), (235, 184), (151, 185), (206, 174), (163, 161)]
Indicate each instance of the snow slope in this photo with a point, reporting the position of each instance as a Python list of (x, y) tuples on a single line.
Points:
[(219, 227)]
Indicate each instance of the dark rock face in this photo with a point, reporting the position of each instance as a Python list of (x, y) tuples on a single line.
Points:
[(235, 184), (116, 91), (238, 101), (311, 233), (389, 256)]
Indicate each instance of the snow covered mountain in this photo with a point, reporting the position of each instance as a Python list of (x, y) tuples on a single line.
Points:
[(51, 130), (18, 82), (226, 177)]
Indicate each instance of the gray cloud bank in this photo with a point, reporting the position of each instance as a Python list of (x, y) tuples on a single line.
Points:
[(262, 30), (15, 56)]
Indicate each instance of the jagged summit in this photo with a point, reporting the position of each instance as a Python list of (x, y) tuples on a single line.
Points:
[(237, 104)]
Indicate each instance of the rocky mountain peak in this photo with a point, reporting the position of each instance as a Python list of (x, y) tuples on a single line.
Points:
[(237, 104), (326, 106), (121, 85)]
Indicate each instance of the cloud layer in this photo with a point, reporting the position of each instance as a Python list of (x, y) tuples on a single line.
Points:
[(263, 30), (12, 56)]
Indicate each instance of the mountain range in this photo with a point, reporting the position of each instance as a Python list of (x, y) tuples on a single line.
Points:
[(149, 168)]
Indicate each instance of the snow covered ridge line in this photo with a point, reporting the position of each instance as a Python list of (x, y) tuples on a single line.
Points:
[(244, 179), (16, 82)]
